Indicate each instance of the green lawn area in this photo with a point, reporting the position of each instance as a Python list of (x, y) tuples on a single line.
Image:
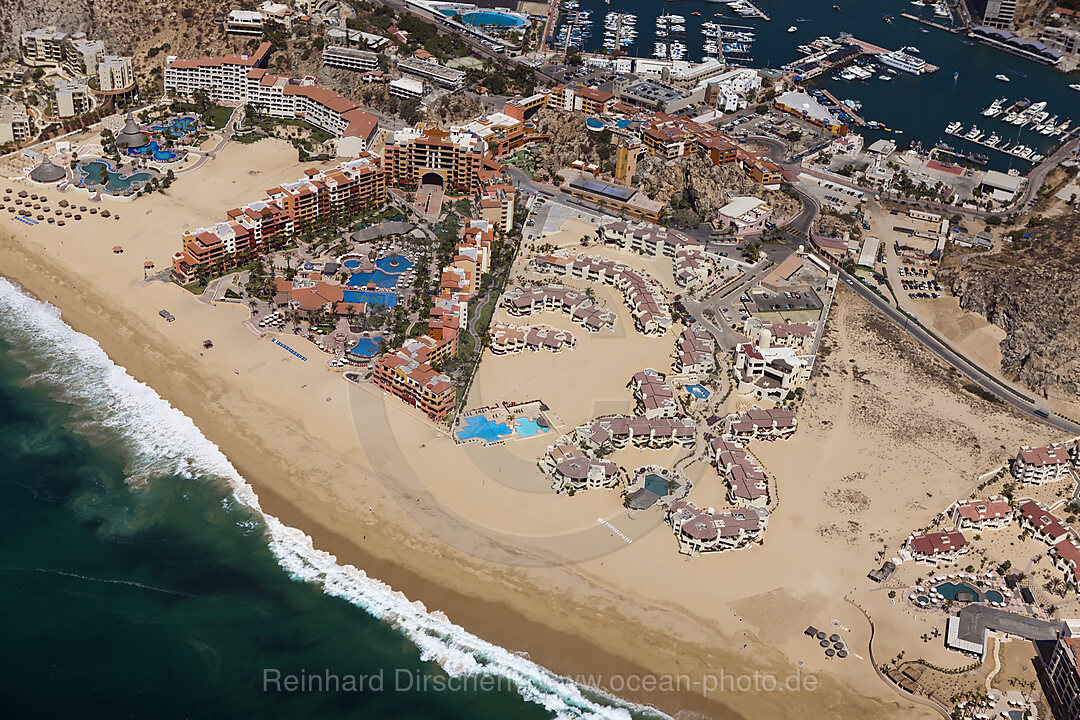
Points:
[(418, 329), (466, 346), (217, 116), (483, 320)]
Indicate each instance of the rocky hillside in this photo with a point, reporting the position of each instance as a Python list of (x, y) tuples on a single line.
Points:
[(1033, 293), (695, 185)]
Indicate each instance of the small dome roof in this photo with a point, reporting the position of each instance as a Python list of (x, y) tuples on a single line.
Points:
[(47, 172), (131, 136)]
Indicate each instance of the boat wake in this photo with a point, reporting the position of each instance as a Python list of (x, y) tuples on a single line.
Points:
[(162, 440)]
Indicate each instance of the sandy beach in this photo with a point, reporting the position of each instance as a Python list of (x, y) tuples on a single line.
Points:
[(887, 438)]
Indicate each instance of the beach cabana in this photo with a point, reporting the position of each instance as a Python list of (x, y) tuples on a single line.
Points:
[(117, 249), (47, 172)]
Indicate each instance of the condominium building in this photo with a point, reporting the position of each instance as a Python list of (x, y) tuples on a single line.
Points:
[(991, 514), (798, 336), (1063, 672), (1042, 464), (287, 209), (937, 547), (43, 46), (69, 98), (433, 72), (581, 309), (643, 296), (617, 432), (15, 126), (431, 154), (655, 398), (350, 58), (706, 530), (407, 373), (243, 79), (769, 373), (512, 339), (84, 54), (576, 97), (1067, 40), (747, 483), (996, 13), (1066, 555), (115, 73), (243, 22), (769, 424), (407, 88), (694, 351), (572, 469), (1041, 523)]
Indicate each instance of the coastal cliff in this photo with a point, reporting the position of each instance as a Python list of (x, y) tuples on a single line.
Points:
[(1033, 293)]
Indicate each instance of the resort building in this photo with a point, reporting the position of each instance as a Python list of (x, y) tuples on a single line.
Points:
[(798, 336), (576, 97), (706, 530), (694, 352), (1063, 672), (1041, 465), (616, 432), (495, 201), (556, 298), (643, 296), (243, 22), (1043, 524), (747, 483), (1066, 554), (83, 55), (242, 79), (350, 58), (654, 397), (511, 339), (644, 238), (992, 514), (15, 126), (769, 372), (224, 79), (572, 470), (407, 88), (288, 209), (114, 73), (938, 547), (407, 374), (428, 154), (43, 46), (431, 71), (69, 98), (771, 424)]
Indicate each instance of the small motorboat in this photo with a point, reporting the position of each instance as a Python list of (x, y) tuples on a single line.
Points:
[(792, 29), (1002, 78)]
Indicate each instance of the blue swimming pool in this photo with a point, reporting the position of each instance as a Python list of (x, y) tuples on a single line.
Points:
[(371, 297), (394, 264), (526, 427), (100, 172), (376, 278), (993, 596), (365, 347), (657, 484), (155, 149), (479, 426), (487, 18), (351, 264), (698, 391), (177, 127), (950, 590)]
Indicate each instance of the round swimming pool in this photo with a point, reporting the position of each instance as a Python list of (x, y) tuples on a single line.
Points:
[(351, 263), (487, 18)]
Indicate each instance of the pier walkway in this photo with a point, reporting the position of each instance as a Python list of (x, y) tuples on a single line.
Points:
[(850, 111), (878, 50)]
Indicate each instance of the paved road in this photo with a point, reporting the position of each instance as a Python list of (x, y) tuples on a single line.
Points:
[(969, 369)]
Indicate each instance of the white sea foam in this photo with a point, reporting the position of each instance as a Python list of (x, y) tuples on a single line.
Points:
[(162, 440)]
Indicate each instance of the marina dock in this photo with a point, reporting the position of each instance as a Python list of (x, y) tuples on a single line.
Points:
[(850, 111), (931, 23), (871, 49), (1031, 158)]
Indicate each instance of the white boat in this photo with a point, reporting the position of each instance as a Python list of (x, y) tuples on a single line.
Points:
[(1075, 86), (1002, 78), (953, 127), (884, 77), (792, 29), (995, 108), (902, 61)]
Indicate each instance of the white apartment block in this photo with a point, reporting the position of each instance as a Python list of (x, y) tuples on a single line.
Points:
[(44, 46), (84, 55), (990, 514), (406, 87), (437, 74), (799, 336), (14, 123), (240, 79), (70, 99), (350, 58), (114, 73), (1041, 465), (243, 22), (769, 373)]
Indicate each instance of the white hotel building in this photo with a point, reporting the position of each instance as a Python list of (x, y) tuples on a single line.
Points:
[(241, 79)]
